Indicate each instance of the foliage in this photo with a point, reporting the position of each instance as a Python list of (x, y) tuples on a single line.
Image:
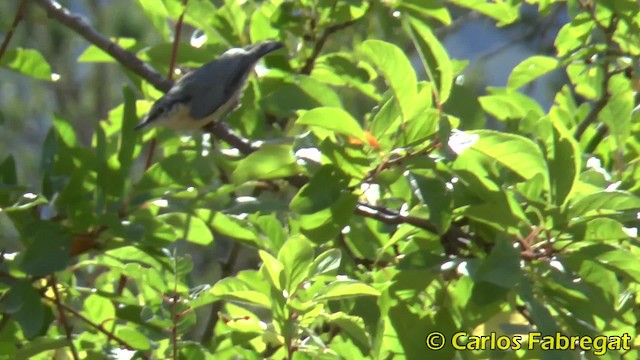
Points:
[(372, 217)]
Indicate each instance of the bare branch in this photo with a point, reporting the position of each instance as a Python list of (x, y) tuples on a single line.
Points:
[(319, 44), (98, 327), (78, 24), (63, 317), (16, 20)]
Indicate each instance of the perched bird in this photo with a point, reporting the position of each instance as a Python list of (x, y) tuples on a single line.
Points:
[(208, 93)]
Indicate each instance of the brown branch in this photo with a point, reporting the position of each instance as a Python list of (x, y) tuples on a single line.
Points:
[(172, 66), (98, 327), (227, 269), (78, 24), (222, 131), (592, 116), (392, 217), (63, 318), (317, 47), (16, 20), (601, 133)]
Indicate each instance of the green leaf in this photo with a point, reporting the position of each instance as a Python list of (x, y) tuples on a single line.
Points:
[(510, 105), (428, 8), (99, 309), (324, 189), (273, 270), (227, 225), (564, 162), (261, 28), (514, 152), (600, 230), (66, 132), (133, 337), (39, 345), (345, 289), (326, 224), (182, 169), (395, 67), (434, 193), (94, 54), (28, 62), (233, 289), (157, 14), (326, 262), (531, 69), (286, 94), (503, 11), (354, 327), (270, 162), (342, 69), (435, 59), (48, 249), (332, 119), (25, 306), (587, 79), (603, 203), (420, 128), (621, 261), (349, 158), (295, 256), (188, 227), (618, 111), (574, 34), (501, 267)]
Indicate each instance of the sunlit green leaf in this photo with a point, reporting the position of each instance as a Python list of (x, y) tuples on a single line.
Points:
[(189, 227), (332, 119), (270, 162), (394, 65), (437, 62), (296, 256), (344, 289), (530, 69), (28, 62)]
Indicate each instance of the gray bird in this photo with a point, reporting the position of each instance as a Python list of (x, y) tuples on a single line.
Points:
[(208, 93)]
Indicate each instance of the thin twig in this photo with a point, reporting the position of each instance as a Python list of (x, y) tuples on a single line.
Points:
[(392, 217), (592, 116), (16, 20), (601, 132), (175, 298), (172, 66), (227, 269), (319, 44), (98, 327), (78, 24), (63, 318)]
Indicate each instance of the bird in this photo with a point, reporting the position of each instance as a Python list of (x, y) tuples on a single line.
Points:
[(208, 93)]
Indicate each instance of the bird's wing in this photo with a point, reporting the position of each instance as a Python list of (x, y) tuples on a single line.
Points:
[(210, 92)]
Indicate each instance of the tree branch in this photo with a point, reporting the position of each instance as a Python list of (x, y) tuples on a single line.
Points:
[(77, 23), (98, 327), (319, 44), (592, 116), (63, 318), (16, 20)]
